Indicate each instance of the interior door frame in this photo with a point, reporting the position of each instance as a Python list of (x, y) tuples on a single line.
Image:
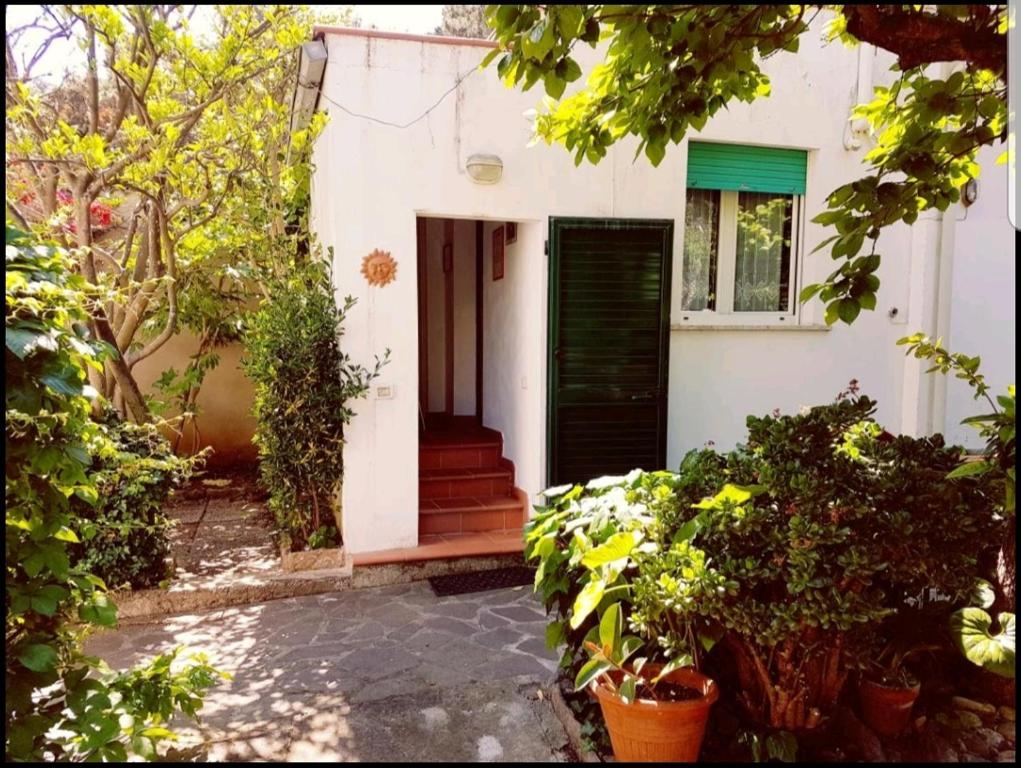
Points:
[(556, 226)]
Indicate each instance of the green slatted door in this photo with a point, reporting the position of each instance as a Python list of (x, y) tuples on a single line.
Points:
[(609, 328)]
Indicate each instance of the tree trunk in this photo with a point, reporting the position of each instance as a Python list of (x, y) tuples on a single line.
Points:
[(101, 329)]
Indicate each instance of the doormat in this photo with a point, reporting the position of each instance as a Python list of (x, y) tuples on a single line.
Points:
[(482, 581)]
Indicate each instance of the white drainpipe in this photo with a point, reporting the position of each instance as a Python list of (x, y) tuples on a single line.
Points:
[(924, 395), (944, 289), (858, 129)]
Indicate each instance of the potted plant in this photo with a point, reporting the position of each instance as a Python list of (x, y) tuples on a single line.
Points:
[(888, 690), (656, 704), (793, 550), (653, 712)]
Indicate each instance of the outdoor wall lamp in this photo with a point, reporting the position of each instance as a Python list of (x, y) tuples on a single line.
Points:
[(969, 192), (484, 169)]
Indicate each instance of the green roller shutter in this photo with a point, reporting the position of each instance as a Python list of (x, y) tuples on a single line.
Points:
[(609, 334), (746, 169)]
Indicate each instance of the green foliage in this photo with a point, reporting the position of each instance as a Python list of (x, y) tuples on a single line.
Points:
[(903, 638), (612, 652), (781, 746), (792, 550), (993, 650), (997, 427), (184, 134), (971, 627), (124, 535), (656, 81), (304, 388), (668, 69), (60, 704), (927, 131)]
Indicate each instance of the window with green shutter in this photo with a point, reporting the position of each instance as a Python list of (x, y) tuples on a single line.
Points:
[(743, 208), (744, 168)]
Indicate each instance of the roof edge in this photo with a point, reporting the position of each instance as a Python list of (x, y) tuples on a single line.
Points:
[(325, 29)]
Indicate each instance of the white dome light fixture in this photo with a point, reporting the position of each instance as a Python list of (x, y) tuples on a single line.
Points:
[(484, 169)]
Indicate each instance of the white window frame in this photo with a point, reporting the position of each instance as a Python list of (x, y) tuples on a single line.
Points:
[(726, 267)]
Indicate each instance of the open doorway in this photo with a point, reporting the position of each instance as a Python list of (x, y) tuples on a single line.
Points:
[(449, 321), (466, 484)]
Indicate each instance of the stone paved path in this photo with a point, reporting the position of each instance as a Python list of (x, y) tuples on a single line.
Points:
[(223, 534), (393, 673)]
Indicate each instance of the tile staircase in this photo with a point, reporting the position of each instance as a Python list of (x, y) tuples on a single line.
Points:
[(465, 484)]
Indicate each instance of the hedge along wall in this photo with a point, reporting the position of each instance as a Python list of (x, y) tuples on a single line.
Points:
[(225, 422)]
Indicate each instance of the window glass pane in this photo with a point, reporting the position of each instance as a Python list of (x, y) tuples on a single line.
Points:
[(763, 266), (701, 235)]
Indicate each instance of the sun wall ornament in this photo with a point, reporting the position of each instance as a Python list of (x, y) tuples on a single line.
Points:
[(379, 268)]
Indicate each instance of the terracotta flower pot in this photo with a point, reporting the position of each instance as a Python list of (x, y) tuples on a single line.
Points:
[(659, 731), (887, 709)]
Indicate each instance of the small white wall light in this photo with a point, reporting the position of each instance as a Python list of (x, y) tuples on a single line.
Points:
[(484, 169), (969, 192)]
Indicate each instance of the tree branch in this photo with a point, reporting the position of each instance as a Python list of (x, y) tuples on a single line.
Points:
[(918, 37), (92, 81), (171, 326)]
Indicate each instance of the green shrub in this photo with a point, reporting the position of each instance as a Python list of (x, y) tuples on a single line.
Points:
[(792, 549), (125, 535), (60, 704), (984, 642), (304, 385)]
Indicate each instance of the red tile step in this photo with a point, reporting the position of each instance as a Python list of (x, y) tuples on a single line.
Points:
[(471, 514), (463, 456), (464, 483)]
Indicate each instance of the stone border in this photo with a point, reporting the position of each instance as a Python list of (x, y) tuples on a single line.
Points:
[(387, 574), (147, 604), (334, 558), (572, 726), (152, 603)]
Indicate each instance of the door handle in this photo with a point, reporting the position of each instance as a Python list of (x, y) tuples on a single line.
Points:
[(644, 396)]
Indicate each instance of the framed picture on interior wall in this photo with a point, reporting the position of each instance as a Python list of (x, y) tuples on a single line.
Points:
[(448, 257), (512, 232), (498, 253)]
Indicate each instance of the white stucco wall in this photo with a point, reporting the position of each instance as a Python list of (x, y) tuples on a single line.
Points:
[(464, 318), (982, 300), (372, 180), (514, 352)]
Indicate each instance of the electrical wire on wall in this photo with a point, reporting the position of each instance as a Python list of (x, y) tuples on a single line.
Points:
[(460, 79)]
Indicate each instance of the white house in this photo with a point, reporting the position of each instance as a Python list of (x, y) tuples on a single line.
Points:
[(549, 323)]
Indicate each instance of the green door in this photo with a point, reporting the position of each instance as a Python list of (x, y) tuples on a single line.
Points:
[(609, 326)]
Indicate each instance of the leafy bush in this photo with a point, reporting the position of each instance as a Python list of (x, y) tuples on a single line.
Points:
[(304, 385), (125, 535), (792, 550), (973, 626), (59, 703)]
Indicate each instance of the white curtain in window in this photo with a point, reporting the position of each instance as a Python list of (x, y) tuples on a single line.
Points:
[(762, 267), (701, 234)]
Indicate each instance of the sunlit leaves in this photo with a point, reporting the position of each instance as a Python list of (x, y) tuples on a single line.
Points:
[(58, 701), (926, 133), (653, 83), (982, 644), (997, 427), (204, 137), (305, 388), (668, 69)]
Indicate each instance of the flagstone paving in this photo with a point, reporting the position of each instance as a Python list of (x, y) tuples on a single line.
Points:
[(393, 673), (223, 533)]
